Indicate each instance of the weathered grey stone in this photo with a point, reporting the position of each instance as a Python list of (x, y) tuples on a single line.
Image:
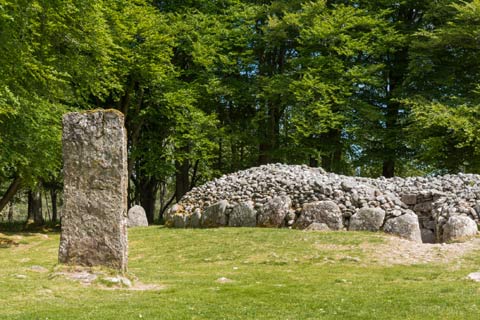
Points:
[(38, 269), (118, 281), (170, 214), (94, 215), (459, 228), (137, 217), (477, 211), (409, 198), (195, 219), (437, 197), (348, 185), (367, 219), (316, 226), (290, 218), (405, 226), (273, 213), (475, 276), (179, 221), (320, 211), (428, 236), (243, 215), (423, 207), (214, 216)]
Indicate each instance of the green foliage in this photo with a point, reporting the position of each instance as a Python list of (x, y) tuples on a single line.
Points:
[(365, 87), (445, 72)]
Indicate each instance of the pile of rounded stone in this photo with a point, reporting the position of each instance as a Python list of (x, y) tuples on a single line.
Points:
[(429, 209)]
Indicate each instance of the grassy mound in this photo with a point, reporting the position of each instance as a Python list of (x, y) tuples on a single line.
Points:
[(237, 273)]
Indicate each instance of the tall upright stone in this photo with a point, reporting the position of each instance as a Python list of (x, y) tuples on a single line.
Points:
[(94, 216)]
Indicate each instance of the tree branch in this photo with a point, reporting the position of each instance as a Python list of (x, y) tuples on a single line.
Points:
[(11, 191)]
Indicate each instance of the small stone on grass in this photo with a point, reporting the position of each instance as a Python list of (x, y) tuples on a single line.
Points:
[(224, 280), (475, 276), (38, 269)]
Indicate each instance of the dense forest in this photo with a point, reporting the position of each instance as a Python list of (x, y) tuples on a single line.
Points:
[(366, 88)]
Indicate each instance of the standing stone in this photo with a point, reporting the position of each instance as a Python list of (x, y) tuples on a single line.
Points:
[(94, 217), (137, 217)]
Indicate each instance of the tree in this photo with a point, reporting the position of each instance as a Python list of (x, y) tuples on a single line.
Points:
[(339, 50), (445, 74), (56, 56)]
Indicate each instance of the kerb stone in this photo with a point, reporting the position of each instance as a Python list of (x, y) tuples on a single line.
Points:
[(94, 217)]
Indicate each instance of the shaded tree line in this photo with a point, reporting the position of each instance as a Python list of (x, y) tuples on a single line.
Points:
[(208, 87)]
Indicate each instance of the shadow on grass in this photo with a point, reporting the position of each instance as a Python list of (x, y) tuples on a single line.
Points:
[(21, 228)]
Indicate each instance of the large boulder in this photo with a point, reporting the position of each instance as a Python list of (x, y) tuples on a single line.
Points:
[(459, 228), (176, 209), (137, 217), (367, 219), (326, 212), (195, 219), (214, 216), (405, 226), (274, 212), (243, 215), (179, 221)]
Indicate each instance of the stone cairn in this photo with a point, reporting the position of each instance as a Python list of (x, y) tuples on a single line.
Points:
[(423, 209), (94, 216)]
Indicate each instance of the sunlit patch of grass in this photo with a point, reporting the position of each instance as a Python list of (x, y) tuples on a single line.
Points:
[(270, 274)]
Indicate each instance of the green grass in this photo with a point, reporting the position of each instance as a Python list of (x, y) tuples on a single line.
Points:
[(275, 273)]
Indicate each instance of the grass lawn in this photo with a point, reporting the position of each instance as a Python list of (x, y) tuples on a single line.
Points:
[(274, 273)]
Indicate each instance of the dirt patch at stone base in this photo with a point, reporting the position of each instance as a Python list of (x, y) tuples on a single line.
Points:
[(105, 281), (397, 251)]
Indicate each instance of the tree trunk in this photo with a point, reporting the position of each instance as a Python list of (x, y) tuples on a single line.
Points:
[(269, 144), (263, 157), (398, 66), (327, 162), (337, 152), (35, 207), (53, 196), (10, 212), (182, 179), (148, 190), (11, 191), (388, 168), (161, 199), (49, 216), (220, 155), (234, 158), (332, 150), (313, 162), (391, 139)]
